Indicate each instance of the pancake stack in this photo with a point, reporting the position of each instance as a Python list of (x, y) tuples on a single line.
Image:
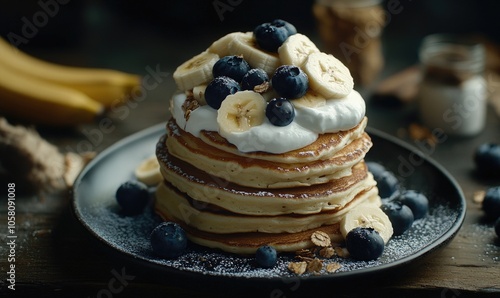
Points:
[(238, 201)]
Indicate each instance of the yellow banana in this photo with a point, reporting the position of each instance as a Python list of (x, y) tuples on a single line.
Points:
[(40, 102), (104, 85)]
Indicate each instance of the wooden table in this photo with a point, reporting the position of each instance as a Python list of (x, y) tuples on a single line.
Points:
[(56, 256)]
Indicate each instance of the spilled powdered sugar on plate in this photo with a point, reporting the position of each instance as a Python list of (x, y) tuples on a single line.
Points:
[(130, 235)]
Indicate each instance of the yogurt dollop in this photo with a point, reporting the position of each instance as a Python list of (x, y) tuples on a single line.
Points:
[(309, 122)]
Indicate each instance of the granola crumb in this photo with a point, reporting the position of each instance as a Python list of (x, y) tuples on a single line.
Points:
[(321, 239), (327, 252), (305, 252), (297, 267), (315, 265), (333, 267), (342, 252)]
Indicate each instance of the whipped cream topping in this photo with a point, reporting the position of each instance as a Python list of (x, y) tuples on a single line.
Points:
[(334, 116)]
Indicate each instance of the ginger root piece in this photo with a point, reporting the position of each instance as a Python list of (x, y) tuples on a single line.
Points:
[(33, 162)]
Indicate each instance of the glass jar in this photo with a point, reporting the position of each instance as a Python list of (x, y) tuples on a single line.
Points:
[(452, 93), (351, 31)]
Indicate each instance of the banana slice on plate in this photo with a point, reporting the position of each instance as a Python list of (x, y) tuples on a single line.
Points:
[(196, 71), (367, 216), (296, 49), (148, 171), (328, 76), (241, 111), (244, 44)]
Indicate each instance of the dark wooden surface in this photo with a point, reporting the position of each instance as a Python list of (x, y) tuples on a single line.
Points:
[(56, 256)]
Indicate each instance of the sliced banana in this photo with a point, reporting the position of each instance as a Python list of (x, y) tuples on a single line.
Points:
[(195, 71), (311, 99), (241, 111), (148, 171), (244, 44), (367, 216), (221, 45), (199, 94), (328, 76), (296, 49)]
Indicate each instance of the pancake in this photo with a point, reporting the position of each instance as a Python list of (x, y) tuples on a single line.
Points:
[(253, 201), (325, 147), (252, 172), (210, 218)]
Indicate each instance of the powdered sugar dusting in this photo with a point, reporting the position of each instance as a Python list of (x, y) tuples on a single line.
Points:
[(130, 235)]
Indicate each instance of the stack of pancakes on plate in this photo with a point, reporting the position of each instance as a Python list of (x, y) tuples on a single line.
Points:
[(237, 201)]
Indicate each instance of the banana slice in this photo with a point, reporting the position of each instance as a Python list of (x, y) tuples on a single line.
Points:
[(296, 49), (148, 171), (367, 216), (241, 111), (328, 76), (221, 45), (244, 44), (310, 100), (195, 71), (199, 94)]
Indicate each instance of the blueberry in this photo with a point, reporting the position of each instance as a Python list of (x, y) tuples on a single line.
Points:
[(266, 256), (497, 227), (416, 201), (234, 67), (270, 37), (400, 215), (387, 184), (364, 244), (218, 89), (255, 79), (487, 159), (168, 240), (289, 27), (290, 81), (280, 111), (491, 202), (376, 169), (132, 196)]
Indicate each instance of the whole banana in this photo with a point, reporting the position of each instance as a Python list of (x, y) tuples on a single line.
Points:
[(41, 102), (110, 87)]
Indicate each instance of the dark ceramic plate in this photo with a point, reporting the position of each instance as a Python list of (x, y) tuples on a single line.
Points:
[(96, 209)]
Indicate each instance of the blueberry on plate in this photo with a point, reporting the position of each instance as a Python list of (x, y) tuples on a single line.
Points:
[(234, 67), (416, 201), (218, 89), (364, 244), (132, 196), (491, 202), (266, 256), (280, 111), (282, 23), (497, 227), (168, 240), (487, 159), (255, 79), (387, 184), (290, 81), (270, 37), (376, 169), (400, 215)]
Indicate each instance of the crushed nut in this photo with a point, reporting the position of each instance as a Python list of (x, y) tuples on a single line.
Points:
[(297, 267), (320, 238), (332, 267), (315, 265), (327, 252), (188, 106), (342, 252)]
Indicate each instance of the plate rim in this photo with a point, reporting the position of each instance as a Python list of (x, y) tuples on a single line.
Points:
[(157, 130)]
